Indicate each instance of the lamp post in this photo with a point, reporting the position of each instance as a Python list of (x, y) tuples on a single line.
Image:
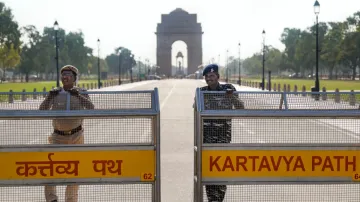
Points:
[(119, 66), (227, 66), (317, 11), (56, 28), (148, 67), (263, 68), (99, 82), (131, 66), (239, 67), (139, 68)]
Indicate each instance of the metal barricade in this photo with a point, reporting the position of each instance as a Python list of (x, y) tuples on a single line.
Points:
[(282, 146), (115, 158)]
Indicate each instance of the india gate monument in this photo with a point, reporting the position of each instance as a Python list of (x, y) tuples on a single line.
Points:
[(183, 26)]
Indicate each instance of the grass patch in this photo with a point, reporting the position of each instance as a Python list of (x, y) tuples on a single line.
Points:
[(29, 87), (328, 84)]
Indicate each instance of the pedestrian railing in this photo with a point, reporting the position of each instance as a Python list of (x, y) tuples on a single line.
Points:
[(284, 147), (117, 158)]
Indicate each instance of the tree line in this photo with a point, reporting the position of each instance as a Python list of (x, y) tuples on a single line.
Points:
[(27, 50), (339, 52)]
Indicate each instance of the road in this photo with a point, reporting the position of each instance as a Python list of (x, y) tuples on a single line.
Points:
[(176, 99)]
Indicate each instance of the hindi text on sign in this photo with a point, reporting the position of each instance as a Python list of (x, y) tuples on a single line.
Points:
[(109, 164), (27, 168)]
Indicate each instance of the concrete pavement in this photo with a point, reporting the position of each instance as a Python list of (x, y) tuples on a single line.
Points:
[(176, 99)]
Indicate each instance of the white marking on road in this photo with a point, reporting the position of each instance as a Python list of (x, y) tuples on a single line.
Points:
[(167, 97)]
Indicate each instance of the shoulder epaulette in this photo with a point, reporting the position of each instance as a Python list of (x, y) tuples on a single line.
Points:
[(80, 89), (204, 88)]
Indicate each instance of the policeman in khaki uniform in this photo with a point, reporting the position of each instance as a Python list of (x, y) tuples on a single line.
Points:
[(218, 130), (66, 131)]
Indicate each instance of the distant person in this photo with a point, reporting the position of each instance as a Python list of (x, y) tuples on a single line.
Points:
[(66, 131), (217, 130)]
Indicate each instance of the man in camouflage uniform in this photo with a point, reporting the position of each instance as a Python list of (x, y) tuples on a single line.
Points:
[(218, 130), (66, 131)]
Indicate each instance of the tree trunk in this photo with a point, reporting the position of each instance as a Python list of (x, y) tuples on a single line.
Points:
[(353, 72), (27, 77), (4, 74), (331, 72)]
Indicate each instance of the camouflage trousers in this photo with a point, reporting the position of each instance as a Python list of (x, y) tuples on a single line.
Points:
[(71, 192), (214, 135), (215, 192)]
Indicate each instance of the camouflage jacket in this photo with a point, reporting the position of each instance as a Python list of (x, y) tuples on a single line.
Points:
[(219, 130)]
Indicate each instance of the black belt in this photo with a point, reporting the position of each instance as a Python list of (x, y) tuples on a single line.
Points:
[(70, 132)]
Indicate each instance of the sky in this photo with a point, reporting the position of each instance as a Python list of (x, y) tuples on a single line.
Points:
[(132, 23)]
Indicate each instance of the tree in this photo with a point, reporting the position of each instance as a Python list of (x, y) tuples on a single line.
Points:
[(9, 58), (126, 57), (9, 29)]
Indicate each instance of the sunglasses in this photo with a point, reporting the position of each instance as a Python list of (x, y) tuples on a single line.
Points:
[(67, 73)]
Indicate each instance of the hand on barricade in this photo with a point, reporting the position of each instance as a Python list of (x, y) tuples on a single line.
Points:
[(54, 92), (229, 92), (74, 91)]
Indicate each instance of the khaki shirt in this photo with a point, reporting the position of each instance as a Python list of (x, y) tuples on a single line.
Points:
[(59, 102)]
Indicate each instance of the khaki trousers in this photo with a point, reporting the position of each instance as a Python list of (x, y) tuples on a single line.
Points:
[(71, 193)]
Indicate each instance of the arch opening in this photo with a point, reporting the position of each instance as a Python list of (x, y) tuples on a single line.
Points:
[(179, 58)]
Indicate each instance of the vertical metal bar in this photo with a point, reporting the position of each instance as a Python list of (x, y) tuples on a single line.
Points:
[(157, 146), (199, 188), (153, 142), (285, 100), (196, 125)]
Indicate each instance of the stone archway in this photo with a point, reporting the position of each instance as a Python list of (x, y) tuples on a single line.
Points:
[(178, 25)]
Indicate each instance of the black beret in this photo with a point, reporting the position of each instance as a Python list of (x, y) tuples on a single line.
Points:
[(211, 68)]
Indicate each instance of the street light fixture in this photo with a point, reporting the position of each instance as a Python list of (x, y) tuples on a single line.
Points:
[(317, 11), (99, 82), (239, 67), (263, 68), (56, 28)]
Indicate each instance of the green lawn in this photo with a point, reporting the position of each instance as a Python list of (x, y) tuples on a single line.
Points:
[(329, 84), (29, 87)]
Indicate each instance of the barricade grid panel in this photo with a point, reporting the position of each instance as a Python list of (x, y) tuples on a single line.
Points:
[(324, 101), (57, 101), (95, 131), (283, 130), (263, 101), (221, 101), (282, 193), (89, 193)]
